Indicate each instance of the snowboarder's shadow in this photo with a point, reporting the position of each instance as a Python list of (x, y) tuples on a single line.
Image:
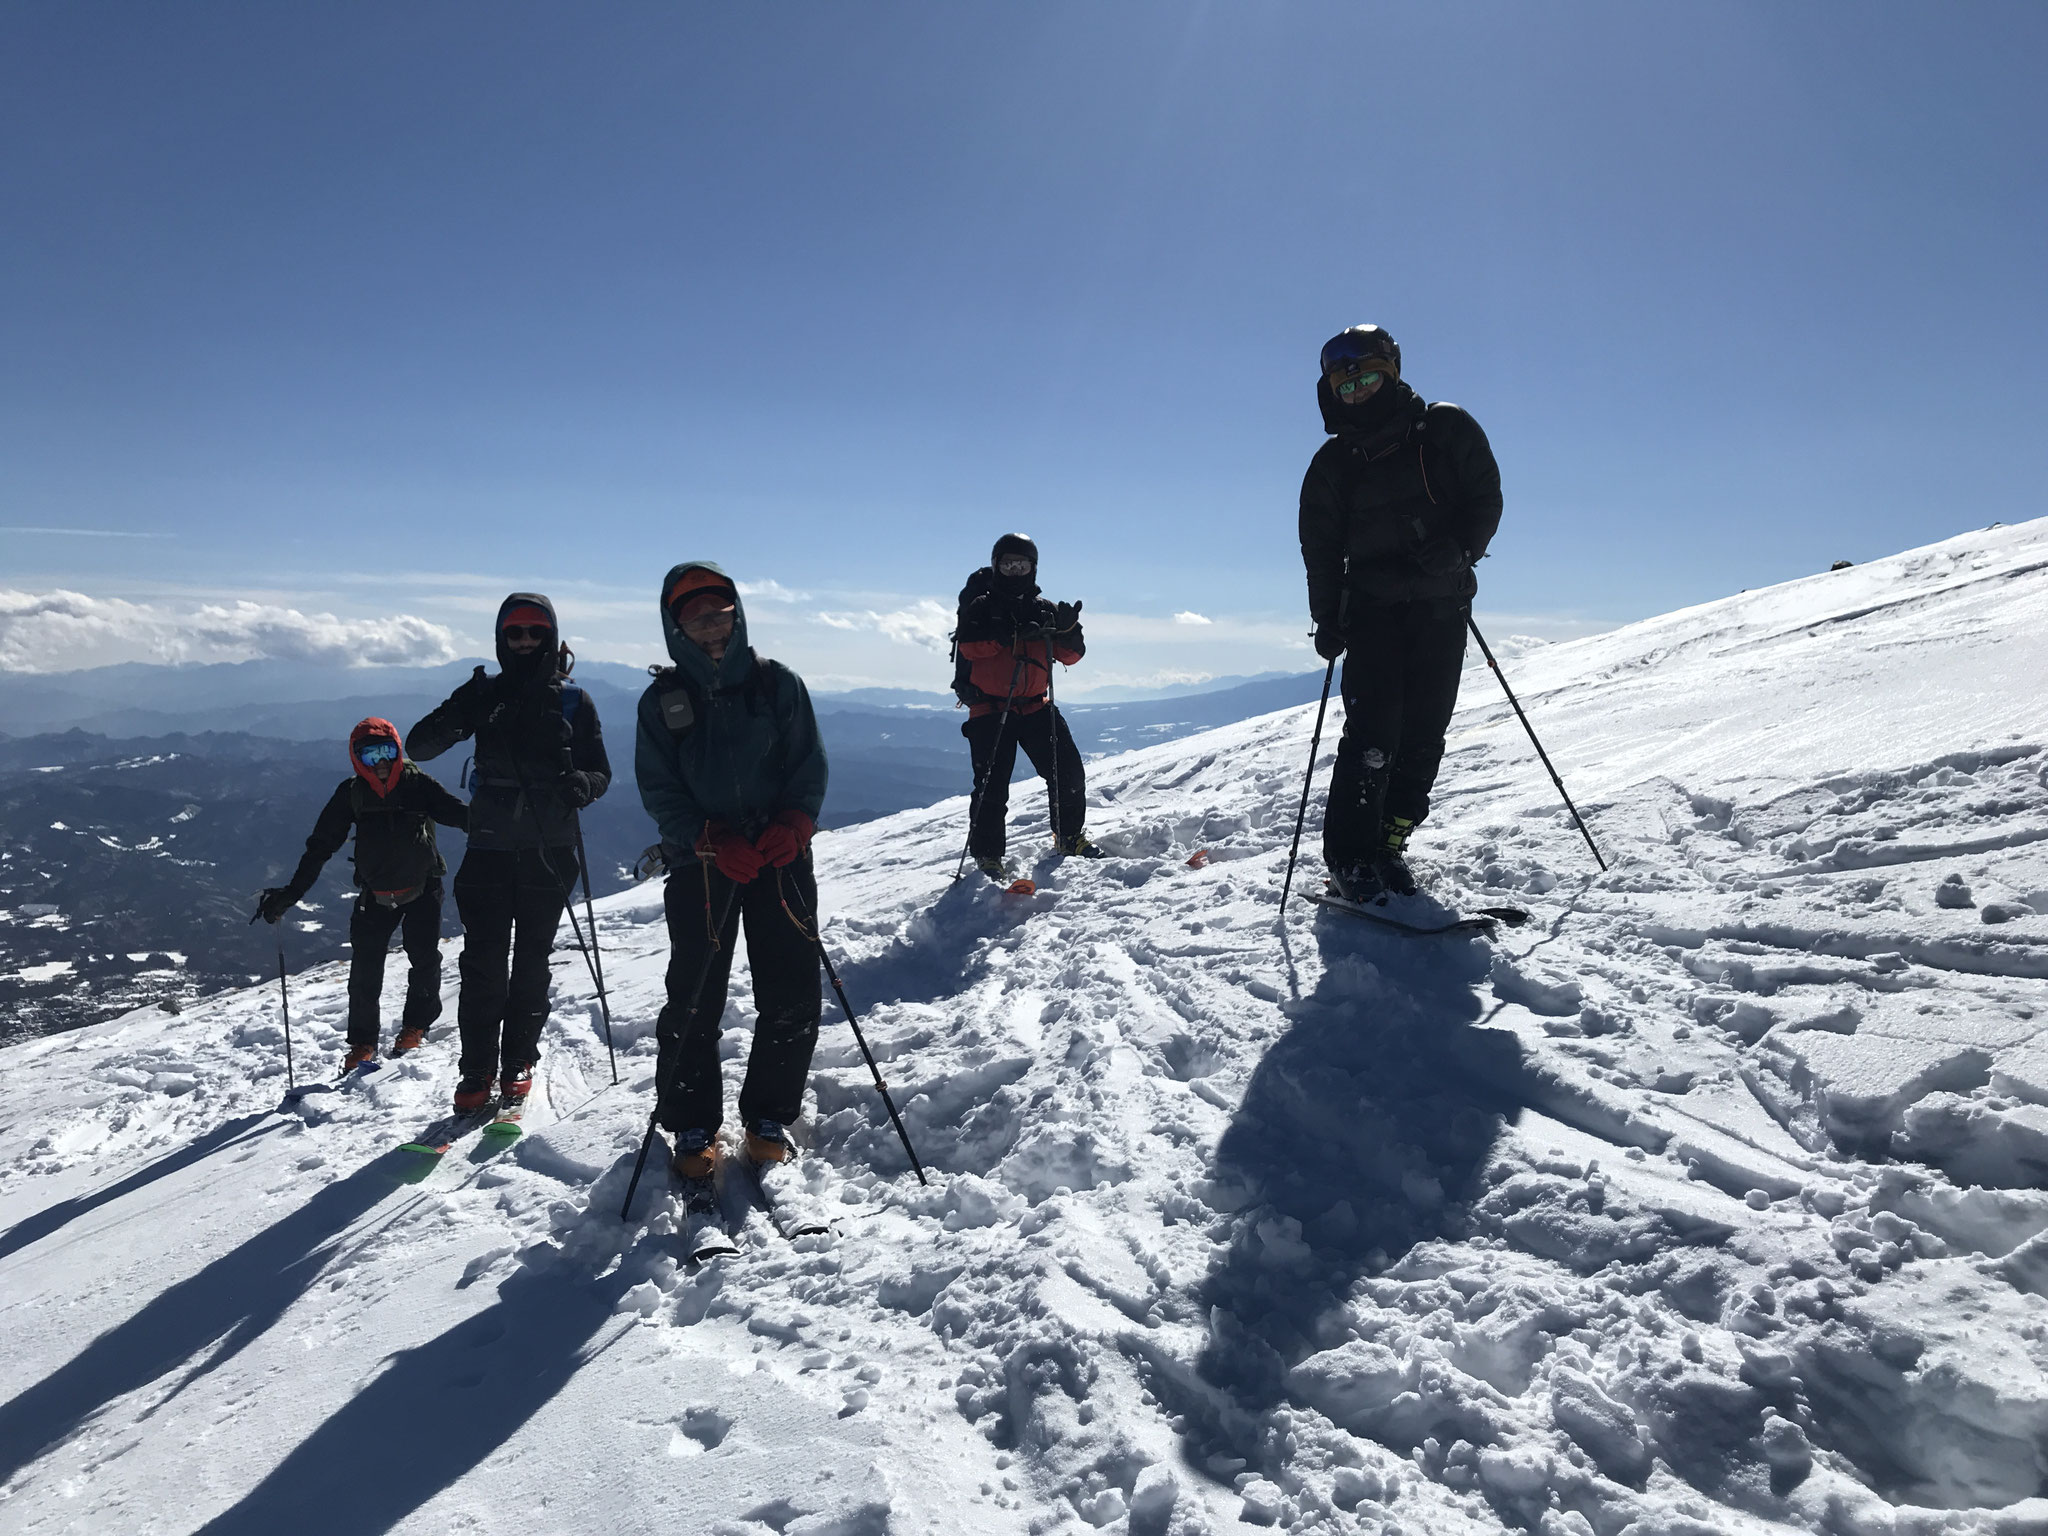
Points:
[(208, 1319), (1361, 1132), (435, 1413)]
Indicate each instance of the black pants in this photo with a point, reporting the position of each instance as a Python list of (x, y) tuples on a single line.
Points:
[(370, 927), (498, 892), (1049, 745), (1401, 667), (784, 960)]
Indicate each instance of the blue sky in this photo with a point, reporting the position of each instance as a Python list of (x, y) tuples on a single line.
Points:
[(380, 310)]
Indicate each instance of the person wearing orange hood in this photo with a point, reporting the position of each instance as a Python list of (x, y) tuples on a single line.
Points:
[(392, 807)]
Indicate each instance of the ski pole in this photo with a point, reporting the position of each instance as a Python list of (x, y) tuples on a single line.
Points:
[(816, 935), (981, 779), (284, 998), (1052, 709), (1487, 652), (683, 1039), (596, 963), (1301, 811)]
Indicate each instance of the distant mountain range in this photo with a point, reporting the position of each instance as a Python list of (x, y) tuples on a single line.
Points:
[(143, 808)]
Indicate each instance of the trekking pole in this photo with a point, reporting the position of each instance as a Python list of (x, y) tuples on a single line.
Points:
[(1487, 652), (981, 779), (815, 933), (596, 963), (284, 998), (1301, 811), (1052, 708), (689, 1023)]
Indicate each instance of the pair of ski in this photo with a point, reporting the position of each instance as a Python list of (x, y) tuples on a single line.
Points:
[(500, 1126), (1483, 923), (715, 1209)]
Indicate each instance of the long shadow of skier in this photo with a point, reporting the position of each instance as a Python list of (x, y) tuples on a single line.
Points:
[(33, 1229), (1360, 1134), (434, 1414), (221, 1309), (930, 959)]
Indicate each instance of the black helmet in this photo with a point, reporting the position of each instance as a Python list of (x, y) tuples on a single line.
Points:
[(1013, 544), (1361, 344)]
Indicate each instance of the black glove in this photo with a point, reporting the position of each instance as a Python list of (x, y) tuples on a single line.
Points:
[(473, 697), (1329, 642), (576, 788), (275, 903), (1443, 556), (1065, 616)]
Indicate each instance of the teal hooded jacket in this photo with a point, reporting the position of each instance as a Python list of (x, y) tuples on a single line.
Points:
[(733, 741)]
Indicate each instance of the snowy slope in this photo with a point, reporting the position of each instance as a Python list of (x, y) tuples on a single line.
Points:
[(1716, 1199)]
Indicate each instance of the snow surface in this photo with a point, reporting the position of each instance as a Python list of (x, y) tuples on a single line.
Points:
[(1714, 1200)]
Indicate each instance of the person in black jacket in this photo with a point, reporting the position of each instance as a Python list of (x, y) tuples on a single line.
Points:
[(393, 807), (1396, 509), (540, 759)]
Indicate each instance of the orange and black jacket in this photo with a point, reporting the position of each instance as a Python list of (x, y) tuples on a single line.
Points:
[(1006, 645)]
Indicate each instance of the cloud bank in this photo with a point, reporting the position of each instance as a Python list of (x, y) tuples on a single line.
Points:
[(63, 631)]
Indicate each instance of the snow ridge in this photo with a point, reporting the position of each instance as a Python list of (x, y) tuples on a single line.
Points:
[(1715, 1200)]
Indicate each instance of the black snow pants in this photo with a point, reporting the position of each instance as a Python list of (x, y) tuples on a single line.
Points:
[(1401, 667), (787, 1003), (500, 892), (370, 927), (993, 740)]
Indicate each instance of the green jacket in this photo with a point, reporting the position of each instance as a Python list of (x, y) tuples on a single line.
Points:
[(735, 743)]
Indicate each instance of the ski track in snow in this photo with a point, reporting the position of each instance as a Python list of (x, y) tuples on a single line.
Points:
[(1713, 1200)]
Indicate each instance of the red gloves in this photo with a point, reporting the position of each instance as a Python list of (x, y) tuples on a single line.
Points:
[(735, 857), (788, 835)]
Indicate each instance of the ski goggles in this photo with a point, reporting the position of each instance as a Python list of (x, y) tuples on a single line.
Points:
[(375, 754), (1015, 565), (526, 631), (1351, 386)]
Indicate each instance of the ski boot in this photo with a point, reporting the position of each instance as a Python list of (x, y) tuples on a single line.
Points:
[(356, 1057), (992, 865), (410, 1038), (1390, 863), (473, 1094), (696, 1159), (1078, 846), (768, 1142), (517, 1083), (1359, 883)]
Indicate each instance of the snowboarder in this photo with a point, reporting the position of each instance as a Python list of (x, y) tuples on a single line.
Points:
[(1005, 642), (392, 807), (540, 759), (1395, 511), (733, 772)]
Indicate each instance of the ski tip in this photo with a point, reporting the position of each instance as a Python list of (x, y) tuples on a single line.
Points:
[(1021, 888), (503, 1130)]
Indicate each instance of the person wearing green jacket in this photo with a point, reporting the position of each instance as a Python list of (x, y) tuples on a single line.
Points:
[(732, 770)]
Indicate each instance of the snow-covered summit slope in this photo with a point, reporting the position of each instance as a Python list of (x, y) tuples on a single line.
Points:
[(1713, 1200)]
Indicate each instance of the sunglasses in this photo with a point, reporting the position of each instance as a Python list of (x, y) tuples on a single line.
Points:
[(1363, 381), (526, 632), (705, 618), (1014, 565), (375, 754)]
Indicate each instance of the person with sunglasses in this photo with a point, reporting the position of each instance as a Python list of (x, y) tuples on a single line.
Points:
[(731, 767), (392, 807), (1005, 641), (1396, 509), (540, 759)]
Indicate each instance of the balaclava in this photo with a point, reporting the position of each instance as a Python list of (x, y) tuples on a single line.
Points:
[(382, 777)]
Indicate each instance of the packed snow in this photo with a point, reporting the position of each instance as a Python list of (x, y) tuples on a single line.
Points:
[(1715, 1199)]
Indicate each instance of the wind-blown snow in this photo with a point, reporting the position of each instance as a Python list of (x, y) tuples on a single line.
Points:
[(1716, 1199)]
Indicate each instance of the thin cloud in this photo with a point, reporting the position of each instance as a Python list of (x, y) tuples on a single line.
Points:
[(1190, 617), (63, 631), (928, 623), (89, 533)]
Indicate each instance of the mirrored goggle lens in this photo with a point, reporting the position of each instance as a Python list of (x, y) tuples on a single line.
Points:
[(527, 632), (1014, 565), (1351, 386), (374, 754)]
